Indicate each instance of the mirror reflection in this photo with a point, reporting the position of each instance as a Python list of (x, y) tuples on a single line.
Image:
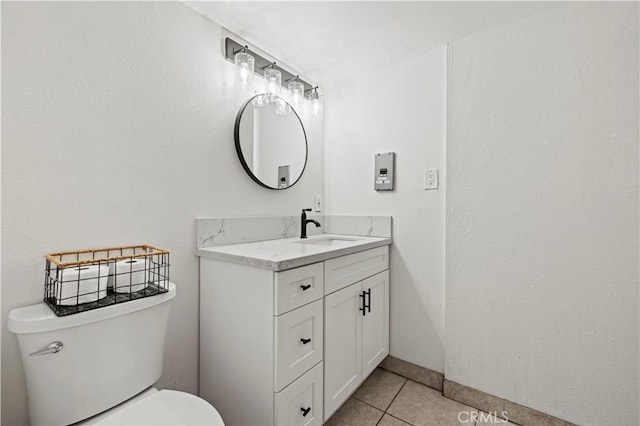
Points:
[(271, 142)]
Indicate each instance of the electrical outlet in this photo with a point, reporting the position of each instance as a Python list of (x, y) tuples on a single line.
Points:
[(431, 179), (318, 204)]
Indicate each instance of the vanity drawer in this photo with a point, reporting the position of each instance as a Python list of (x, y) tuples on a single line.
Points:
[(298, 342), (300, 403), (297, 287), (343, 271)]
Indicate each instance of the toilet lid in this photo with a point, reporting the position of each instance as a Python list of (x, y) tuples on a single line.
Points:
[(166, 407)]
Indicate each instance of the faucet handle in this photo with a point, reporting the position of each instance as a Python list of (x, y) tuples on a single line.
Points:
[(306, 210)]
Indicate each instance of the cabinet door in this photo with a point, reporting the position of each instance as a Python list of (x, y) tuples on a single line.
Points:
[(375, 322), (343, 346)]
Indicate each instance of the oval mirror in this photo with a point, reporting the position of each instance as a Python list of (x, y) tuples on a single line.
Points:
[(271, 142)]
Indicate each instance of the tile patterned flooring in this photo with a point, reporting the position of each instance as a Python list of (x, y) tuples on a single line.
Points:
[(386, 399)]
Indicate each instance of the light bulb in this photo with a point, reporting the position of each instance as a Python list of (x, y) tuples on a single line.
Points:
[(245, 64), (259, 100), (297, 92), (244, 74), (274, 79), (315, 101), (282, 107)]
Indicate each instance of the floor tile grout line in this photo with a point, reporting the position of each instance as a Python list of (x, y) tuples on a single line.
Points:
[(365, 402), (380, 419), (396, 395), (440, 389), (394, 398), (398, 418)]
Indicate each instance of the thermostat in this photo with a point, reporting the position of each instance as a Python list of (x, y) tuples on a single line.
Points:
[(283, 177), (383, 175)]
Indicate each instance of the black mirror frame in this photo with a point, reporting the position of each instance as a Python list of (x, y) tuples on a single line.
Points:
[(245, 166)]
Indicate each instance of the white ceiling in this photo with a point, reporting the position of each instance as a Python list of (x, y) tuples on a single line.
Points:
[(329, 41)]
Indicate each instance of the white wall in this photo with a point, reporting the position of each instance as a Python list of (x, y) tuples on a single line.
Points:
[(542, 213), (402, 109), (118, 128)]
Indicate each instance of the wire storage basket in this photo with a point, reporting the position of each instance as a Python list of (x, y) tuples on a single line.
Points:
[(78, 281)]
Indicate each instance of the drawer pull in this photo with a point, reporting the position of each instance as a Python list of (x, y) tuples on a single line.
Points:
[(305, 341), (305, 287), (305, 411)]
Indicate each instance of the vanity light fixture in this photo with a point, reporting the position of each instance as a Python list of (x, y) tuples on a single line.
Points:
[(274, 80), (297, 90), (245, 63), (282, 107), (314, 97), (263, 65), (260, 100)]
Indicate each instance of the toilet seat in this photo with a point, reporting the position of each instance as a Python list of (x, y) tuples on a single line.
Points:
[(165, 407)]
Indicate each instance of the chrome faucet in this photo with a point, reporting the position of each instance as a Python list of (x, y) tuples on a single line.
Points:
[(304, 222)]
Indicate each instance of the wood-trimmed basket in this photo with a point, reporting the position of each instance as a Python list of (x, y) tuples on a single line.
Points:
[(78, 281)]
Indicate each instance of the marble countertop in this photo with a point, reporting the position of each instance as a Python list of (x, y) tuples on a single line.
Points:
[(287, 253)]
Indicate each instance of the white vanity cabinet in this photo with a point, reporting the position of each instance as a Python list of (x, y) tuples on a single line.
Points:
[(271, 341)]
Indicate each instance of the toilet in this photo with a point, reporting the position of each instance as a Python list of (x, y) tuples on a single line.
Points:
[(98, 367)]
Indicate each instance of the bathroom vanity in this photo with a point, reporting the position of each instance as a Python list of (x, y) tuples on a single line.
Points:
[(289, 328)]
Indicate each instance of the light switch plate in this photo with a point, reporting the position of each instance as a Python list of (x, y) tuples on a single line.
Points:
[(431, 179), (318, 204)]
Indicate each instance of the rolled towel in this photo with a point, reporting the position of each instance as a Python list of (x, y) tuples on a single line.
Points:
[(130, 275), (82, 284)]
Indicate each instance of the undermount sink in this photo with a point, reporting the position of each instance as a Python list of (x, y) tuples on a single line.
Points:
[(327, 241)]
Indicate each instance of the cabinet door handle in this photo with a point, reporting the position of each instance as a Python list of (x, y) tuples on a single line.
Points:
[(364, 304), (305, 341), (305, 287), (305, 411), (369, 303)]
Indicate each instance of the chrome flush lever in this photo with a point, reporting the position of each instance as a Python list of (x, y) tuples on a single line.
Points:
[(51, 349)]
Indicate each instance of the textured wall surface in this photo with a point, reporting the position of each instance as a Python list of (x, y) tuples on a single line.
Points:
[(542, 213), (402, 109), (117, 127)]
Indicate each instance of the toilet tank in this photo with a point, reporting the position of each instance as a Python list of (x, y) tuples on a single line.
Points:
[(109, 355)]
